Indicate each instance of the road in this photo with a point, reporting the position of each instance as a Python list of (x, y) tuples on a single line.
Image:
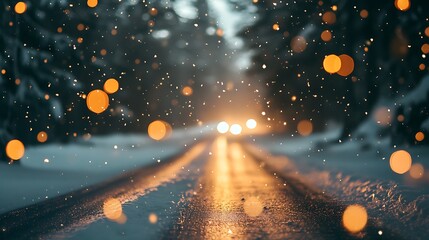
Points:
[(235, 195)]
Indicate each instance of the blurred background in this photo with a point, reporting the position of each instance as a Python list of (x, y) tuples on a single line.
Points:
[(359, 66)]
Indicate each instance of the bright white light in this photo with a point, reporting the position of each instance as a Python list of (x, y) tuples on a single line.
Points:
[(235, 129), (251, 124), (223, 127)]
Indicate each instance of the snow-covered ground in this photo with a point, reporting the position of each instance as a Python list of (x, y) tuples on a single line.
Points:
[(352, 172), (357, 173), (51, 170)]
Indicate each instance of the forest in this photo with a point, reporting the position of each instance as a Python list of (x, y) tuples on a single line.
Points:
[(168, 64)]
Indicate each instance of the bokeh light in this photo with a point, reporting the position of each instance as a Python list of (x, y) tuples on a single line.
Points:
[(402, 5), (15, 149), (153, 11), (326, 35), (355, 218), (276, 27), (251, 123), (222, 127), (112, 209), (347, 65), (425, 48), (253, 207), (382, 116), (159, 130), (305, 127), (329, 18), (298, 44), (111, 86), (332, 63), (400, 161), (153, 218), (42, 136), (364, 13), (235, 129), (92, 3), (20, 7), (97, 101), (187, 91), (417, 171), (419, 136)]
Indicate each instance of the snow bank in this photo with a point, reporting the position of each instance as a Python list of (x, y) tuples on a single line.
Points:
[(51, 170), (352, 174)]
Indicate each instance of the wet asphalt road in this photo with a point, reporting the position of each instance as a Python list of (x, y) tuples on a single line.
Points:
[(236, 195)]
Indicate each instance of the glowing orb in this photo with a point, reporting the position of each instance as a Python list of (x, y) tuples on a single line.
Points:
[(326, 35), (153, 218), (402, 5), (187, 91), (20, 7), (425, 48), (420, 136), (355, 218), (111, 86), (97, 101), (251, 124), (235, 129), (223, 127), (276, 27), (298, 44), (400, 161), (92, 3), (329, 18), (15, 149), (158, 130), (364, 13), (305, 127), (347, 65), (417, 170), (42, 136), (332, 63)]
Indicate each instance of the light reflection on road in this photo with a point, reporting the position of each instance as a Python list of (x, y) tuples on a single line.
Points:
[(234, 197)]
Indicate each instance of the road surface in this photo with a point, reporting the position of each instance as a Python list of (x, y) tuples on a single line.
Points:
[(221, 190)]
